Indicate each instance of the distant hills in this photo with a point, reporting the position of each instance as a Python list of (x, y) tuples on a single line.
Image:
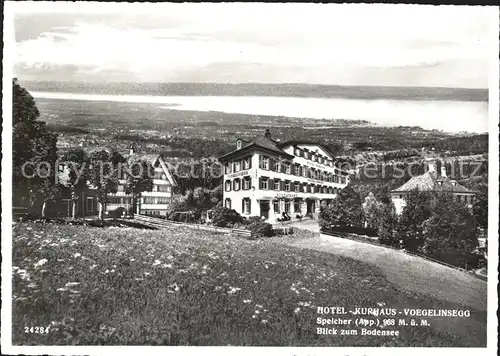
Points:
[(258, 89)]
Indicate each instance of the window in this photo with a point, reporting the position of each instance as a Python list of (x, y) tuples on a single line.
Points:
[(165, 188), (276, 165), (276, 184), (247, 183), (246, 205), (287, 186), (296, 187), (297, 152), (288, 168), (227, 203), (228, 186), (60, 168), (237, 166), (296, 206), (236, 184), (263, 162), (247, 163), (276, 206), (287, 206), (264, 181), (227, 168)]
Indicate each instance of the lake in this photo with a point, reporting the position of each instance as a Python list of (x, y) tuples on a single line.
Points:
[(449, 116)]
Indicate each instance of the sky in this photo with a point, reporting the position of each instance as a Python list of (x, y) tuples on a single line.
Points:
[(406, 45)]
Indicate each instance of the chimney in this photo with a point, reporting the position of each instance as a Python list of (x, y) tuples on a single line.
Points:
[(267, 134), (432, 166), (443, 170)]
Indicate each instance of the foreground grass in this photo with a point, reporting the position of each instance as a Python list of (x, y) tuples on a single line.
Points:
[(127, 286)]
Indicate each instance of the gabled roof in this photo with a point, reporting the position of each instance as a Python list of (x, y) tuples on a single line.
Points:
[(262, 142), (430, 181), (305, 142)]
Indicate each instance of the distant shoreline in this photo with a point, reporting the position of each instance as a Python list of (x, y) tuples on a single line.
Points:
[(258, 89)]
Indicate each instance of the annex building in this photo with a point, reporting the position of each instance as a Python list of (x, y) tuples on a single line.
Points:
[(265, 178), (431, 181)]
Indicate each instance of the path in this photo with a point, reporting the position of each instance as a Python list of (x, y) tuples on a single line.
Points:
[(407, 272)]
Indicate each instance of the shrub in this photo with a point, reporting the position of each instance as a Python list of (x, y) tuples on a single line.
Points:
[(117, 213), (223, 217), (260, 228)]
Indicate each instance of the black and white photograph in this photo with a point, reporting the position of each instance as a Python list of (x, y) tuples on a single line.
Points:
[(315, 178)]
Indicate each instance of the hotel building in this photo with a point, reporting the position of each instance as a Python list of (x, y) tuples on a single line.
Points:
[(266, 178)]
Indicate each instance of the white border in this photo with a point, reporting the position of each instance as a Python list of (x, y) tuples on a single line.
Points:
[(6, 313)]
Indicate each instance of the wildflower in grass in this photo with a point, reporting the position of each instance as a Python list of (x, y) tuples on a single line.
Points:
[(233, 290), (255, 282), (76, 255), (147, 273), (132, 259), (257, 312), (258, 306), (264, 321), (156, 262), (72, 284), (40, 263), (93, 266), (254, 316), (106, 271), (60, 260), (173, 288), (296, 310), (381, 304), (31, 285), (246, 301), (167, 265), (217, 288), (139, 279), (61, 289)]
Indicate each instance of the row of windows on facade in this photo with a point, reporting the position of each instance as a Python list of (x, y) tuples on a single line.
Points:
[(277, 184), (296, 169), (164, 188), (246, 206), (269, 163), (145, 200)]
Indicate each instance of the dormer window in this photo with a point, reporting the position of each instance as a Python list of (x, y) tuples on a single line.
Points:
[(238, 144)]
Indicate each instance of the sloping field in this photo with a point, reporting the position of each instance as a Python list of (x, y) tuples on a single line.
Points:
[(128, 286)]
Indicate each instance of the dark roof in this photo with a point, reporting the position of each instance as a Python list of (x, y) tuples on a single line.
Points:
[(261, 142), (430, 181)]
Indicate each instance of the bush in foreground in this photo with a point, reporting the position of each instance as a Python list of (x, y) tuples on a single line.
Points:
[(225, 217), (259, 228)]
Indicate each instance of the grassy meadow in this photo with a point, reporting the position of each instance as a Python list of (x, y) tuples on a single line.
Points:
[(128, 286)]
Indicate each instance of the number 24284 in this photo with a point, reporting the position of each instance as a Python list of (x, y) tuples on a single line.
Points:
[(36, 330)]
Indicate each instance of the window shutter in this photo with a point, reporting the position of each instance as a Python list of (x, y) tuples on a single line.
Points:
[(249, 206), (249, 182), (249, 162), (260, 182)]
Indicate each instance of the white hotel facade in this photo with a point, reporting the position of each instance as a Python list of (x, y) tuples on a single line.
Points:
[(266, 178)]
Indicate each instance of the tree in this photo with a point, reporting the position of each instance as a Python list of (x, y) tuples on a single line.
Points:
[(139, 179), (415, 212), (34, 151), (78, 175), (480, 209), (387, 223), (451, 226), (216, 195), (345, 211), (103, 174), (372, 209)]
